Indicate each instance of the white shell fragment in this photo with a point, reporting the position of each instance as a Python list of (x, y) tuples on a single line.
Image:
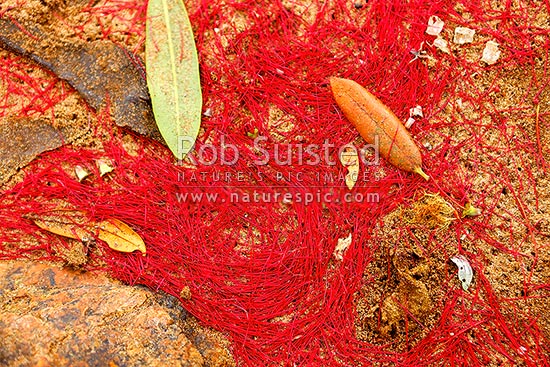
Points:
[(413, 112), (105, 166), (81, 173), (341, 247), (463, 35), (442, 45), (435, 26), (416, 112), (491, 53), (465, 272)]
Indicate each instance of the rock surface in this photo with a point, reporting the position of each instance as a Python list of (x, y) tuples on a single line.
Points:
[(58, 317)]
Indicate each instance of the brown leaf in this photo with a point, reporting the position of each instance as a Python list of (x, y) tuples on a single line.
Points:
[(377, 124), (119, 236), (66, 223)]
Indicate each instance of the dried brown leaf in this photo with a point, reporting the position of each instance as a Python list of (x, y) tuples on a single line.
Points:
[(119, 236), (66, 223), (377, 124), (350, 159)]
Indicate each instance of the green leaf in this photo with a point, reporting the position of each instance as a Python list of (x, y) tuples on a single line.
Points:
[(173, 74)]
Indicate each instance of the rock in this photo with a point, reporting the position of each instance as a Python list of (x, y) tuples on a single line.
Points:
[(59, 317), (102, 72), (24, 139)]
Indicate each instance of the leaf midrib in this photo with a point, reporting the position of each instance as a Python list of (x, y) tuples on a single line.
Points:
[(172, 62)]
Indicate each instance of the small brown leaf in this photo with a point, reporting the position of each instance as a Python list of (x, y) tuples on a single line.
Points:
[(119, 236), (66, 223), (350, 160)]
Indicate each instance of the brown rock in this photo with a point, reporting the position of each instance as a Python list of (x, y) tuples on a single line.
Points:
[(101, 71), (59, 317), (24, 139)]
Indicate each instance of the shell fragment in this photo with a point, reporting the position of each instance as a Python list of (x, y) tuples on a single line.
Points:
[(463, 35), (465, 272), (491, 53), (435, 26), (341, 247), (105, 166), (81, 173), (442, 45), (416, 112)]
